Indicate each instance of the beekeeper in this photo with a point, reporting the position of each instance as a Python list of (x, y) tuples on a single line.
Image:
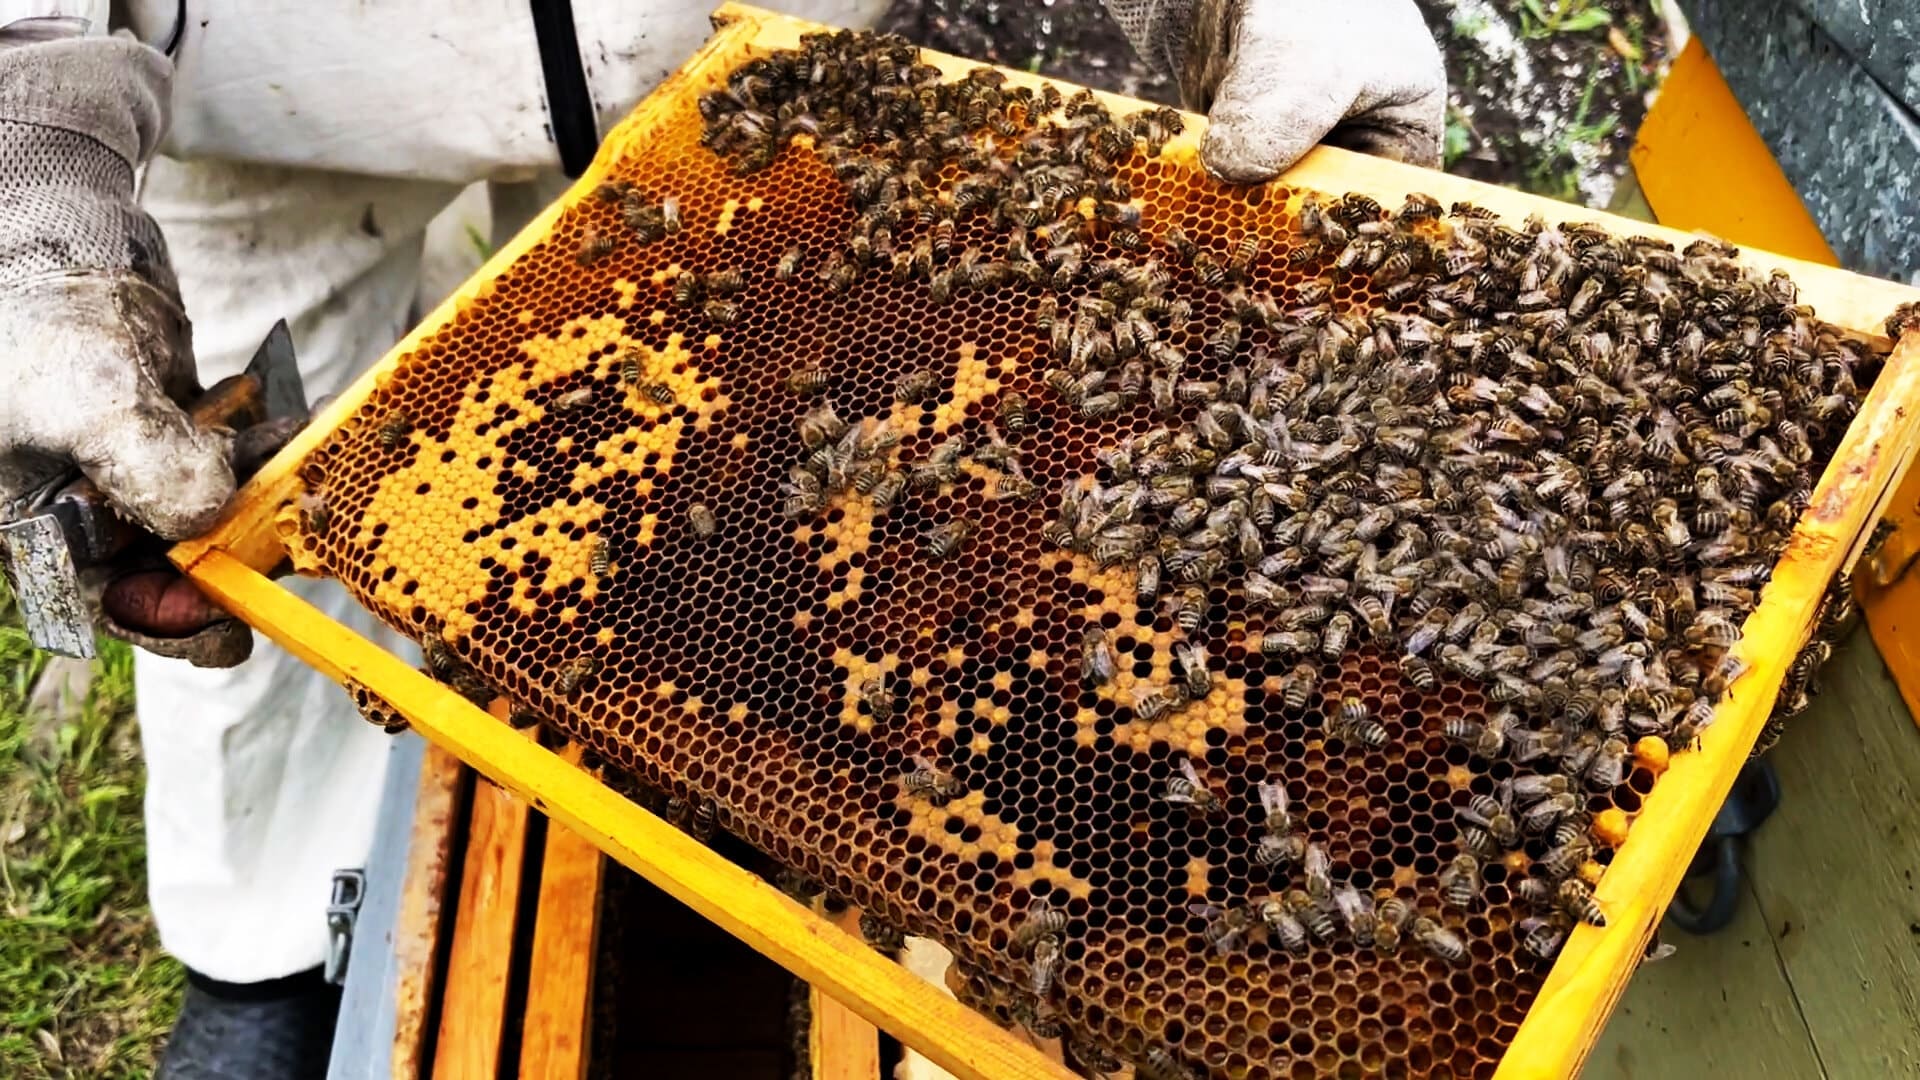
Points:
[(294, 153)]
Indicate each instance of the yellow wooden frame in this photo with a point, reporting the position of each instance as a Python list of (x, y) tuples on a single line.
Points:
[(1560, 1029)]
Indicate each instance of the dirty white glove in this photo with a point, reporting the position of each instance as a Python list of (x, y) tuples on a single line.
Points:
[(95, 350), (1277, 76)]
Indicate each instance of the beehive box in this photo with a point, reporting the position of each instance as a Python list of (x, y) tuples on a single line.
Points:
[(517, 482)]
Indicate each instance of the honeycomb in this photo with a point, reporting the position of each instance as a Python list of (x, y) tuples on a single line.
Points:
[(574, 491)]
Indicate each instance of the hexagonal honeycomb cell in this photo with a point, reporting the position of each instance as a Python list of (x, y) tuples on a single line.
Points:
[(576, 490)]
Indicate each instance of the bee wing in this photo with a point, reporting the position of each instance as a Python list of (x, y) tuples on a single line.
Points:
[(1273, 798), (1204, 909), (1186, 767)]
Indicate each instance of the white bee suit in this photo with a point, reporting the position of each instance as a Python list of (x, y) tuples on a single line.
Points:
[(311, 143)]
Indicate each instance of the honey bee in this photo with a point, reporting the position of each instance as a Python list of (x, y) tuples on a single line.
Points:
[(1013, 413), (1483, 812), (1046, 965), (820, 427), (1356, 723), (577, 672), (1438, 941), (1273, 804), (1486, 740), (929, 781), (878, 698), (1544, 814), (1042, 921), (594, 246), (1356, 911), (670, 214), (630, 368), (1541, 937), (687, 288), (1244, 252), (789, 264), (1210, 272), (1187, 789), (1193, 662), (1312, 914), (1146, 580), (314, 512), (394, 429), (1150, 703), (1419, 207), (1177, 242), (1374, 613), (1225, 927), (574, 399), (880, 934), (1298, 685), (1335, 635), (599, 559), (724, 282), (916, 386), (701, 522), (1390, 922), (1609, 764), (1419, 673), (941, 541), (839, 275), (1316, 870), (1577, 900), (1283, 929), (1159, 1064), (1460, 882), (721, 312), (1097, 663), (1564, 859), (808, 381), (659, 393), (1291, 643), (1278, 850)]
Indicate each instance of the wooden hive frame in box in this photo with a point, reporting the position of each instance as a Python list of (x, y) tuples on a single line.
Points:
[(1593, 968)]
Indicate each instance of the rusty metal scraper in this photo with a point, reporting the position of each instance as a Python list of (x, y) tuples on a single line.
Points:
[(68, 524)]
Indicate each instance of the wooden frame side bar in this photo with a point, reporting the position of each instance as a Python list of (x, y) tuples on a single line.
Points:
[(473, 1004), (556, 1033)]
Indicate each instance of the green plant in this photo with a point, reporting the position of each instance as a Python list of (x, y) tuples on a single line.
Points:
[(1556, 172), (480, 244), (1542, 20), (1459, 137), (84, 988)]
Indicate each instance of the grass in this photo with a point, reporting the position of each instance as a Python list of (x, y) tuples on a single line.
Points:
[(1546, 18), (1557, 171), (84, 988)]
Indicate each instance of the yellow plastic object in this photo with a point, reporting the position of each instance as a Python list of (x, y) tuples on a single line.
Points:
[(1573, 1002), (1702, 166), (1889, 590)]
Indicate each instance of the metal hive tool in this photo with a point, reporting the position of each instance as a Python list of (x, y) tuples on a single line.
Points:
[(525, 493)]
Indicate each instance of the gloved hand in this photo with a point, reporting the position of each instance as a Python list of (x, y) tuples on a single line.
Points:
[(95, 350), (1277, 76)]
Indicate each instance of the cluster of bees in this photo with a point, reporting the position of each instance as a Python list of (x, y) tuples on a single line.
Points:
[(1556, 463)]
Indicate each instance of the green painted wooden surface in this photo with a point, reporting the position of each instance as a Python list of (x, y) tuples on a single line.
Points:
[(1820, 973)]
